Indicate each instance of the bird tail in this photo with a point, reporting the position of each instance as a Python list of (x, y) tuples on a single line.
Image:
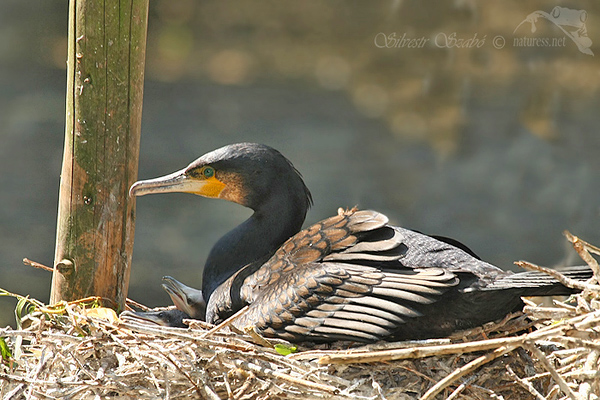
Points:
[(535, 283)]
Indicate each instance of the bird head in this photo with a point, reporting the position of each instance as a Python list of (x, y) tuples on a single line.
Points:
[(244, 173), (185, 298)]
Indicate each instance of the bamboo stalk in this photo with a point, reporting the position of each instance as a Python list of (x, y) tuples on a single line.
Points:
[(105, 74)]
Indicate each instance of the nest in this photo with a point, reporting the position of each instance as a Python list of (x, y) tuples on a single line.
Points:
[(72, 351)]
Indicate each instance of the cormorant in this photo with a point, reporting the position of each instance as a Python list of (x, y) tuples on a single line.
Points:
[(173, 317), (187, 299), (349, 277)]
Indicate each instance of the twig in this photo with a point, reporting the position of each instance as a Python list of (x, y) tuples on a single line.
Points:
[(225, 323), (549, 312), (493, 326), (590, 320), (456, 392), (585, 389), (247, 383), (132, 303), (525, 384), (555, 375), (571, 283), (298, 381), (581, 322), (62, 306), (253, 333), (33, 381), (164, 370), (419, 374), (313, 354), (197, 324), (583, 249), (15, 393), (421, 352), (225, 377), (128, 302), (34, 264), (178, 333), (465, 369), (564, 305), (187, 376)]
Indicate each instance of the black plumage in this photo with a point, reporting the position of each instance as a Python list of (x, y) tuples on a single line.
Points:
[(350, 277)]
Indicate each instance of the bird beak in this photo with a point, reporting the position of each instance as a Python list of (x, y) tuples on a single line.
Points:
[(132, 316), (177, 291), (175, 182), (178, 182)]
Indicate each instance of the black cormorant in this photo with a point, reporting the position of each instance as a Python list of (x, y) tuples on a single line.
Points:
[(172, 318), (188, 301), (349, 277)]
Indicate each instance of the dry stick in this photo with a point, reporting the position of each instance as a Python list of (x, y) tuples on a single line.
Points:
[(419, 374), (225, 377), (418, 352), (132, 303), (457, 391), (554, 313), (581, 322), (572, 283), (253, 333), (128, 301), (489, 327), (525, 384), (247, 383), (34, 264), (583, 249), (557, 378), (180, 369), (197, 324), (174, 333), (591, 320), (31, 381), (134, 354), (465, 369), (564, 305), (585, 389), (225, 323), (461, 387), (16, 392), (370, 348), (581, 375), (167, 382), (421, 352), (297, 381), (562, 371)]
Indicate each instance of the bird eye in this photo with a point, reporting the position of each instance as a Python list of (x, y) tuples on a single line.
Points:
[(208, 172)]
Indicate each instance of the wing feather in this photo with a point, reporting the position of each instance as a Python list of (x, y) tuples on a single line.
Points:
[(340, 279)]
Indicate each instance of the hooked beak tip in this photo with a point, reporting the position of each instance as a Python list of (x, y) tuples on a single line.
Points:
[(174, 182), (132, 190)]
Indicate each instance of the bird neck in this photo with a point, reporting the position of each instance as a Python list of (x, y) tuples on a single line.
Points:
[(257, 238)]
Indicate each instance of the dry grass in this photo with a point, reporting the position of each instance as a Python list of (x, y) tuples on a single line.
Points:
[(71, 352)]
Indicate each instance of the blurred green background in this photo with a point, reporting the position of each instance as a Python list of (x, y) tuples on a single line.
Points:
[(492, 140)]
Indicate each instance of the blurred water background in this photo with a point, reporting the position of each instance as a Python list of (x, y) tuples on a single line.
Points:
[(473, 127)]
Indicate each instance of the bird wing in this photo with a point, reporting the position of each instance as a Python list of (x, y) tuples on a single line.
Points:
[(340, 279)]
